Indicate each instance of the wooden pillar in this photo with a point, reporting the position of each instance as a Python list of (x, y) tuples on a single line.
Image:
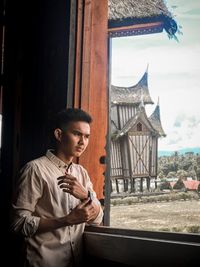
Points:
[(125, 180), (111, 185), (141, 184), (132, 185), (156, 184), (117, 185), (91, 82), (129, 158), (148, 179)]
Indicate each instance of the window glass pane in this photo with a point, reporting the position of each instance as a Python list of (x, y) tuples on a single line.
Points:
[(155, 147)]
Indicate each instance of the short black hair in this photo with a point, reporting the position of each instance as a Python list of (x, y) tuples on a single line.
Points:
[(61, 119), (65, 116)]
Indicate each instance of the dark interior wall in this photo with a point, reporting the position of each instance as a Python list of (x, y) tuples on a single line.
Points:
[(35, 84), (37, 44), (36, 67)]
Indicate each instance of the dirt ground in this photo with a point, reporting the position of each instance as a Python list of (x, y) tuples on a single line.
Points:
[(176, 216)]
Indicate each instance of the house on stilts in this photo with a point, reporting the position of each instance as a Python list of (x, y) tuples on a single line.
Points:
[(134, 137)]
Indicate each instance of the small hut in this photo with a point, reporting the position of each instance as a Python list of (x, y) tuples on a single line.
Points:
[(134, 136)]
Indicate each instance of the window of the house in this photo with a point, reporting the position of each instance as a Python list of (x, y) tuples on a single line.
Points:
[(139, 127), (155, 175)]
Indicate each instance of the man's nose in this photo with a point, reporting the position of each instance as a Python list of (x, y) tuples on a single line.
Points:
[(81, 140)]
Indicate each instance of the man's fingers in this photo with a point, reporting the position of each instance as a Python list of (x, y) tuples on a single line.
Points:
[(67, 186), (70, 177), (84, 203), (66, 190), (65, 181), (67, 176), (61, 177)]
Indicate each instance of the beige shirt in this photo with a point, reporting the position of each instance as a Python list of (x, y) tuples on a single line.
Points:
[(38, 195)]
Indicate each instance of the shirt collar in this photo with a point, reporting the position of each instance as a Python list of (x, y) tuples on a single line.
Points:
[(58, 162)]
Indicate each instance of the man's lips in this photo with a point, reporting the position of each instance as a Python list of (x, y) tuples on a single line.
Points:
[(79, 149)]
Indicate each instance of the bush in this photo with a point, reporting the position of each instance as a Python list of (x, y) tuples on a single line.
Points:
[(165, 185), (172, 196), (179, 184), (193, 229)]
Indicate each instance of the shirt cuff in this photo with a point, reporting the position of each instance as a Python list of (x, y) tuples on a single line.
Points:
[(98, 219), (30, 226)]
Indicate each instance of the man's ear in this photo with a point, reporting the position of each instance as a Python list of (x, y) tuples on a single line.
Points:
[(58, 134)]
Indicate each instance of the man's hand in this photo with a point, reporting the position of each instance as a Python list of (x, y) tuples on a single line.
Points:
[(71, 185), (84, 212)]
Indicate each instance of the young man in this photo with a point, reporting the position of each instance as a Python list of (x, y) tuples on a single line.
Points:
[(53, 199)]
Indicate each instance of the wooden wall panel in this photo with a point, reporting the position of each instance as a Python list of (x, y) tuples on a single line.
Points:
[(91, 83)]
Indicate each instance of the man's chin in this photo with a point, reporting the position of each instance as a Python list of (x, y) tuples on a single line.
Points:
[(78, 154)]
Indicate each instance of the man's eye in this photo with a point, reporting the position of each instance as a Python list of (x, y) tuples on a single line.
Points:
[(77, 133)]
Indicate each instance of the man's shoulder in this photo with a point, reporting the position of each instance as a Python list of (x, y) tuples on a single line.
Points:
[(36, 162)]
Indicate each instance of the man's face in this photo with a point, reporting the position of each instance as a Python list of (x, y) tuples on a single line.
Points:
[(75, 138)]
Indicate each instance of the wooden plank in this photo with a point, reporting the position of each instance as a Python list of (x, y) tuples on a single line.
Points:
[(92, 92), (183, 237), (79, 39), (136, 29), (130, 248), (72, 54), (136, 26)]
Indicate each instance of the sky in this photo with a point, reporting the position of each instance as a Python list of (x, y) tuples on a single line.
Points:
[(173, 73)]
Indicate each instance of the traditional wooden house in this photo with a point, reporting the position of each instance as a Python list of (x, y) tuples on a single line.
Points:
[(134, 135)]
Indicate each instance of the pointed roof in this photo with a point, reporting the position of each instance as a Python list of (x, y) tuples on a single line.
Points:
[(141, 115), (133, 94), (156, 122)]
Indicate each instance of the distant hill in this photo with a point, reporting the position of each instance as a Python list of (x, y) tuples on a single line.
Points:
[(162, 153)]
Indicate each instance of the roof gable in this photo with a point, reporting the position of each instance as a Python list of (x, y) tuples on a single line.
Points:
[(156, 122), (131, 125)]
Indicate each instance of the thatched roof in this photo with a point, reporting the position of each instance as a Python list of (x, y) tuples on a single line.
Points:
[(156, 122), (121, 9), (153, 15), (132, 95)]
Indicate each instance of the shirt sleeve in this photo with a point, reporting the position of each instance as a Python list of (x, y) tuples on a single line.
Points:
[(28, 190)]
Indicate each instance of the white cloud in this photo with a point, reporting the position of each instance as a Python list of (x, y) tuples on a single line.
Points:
[(184, 8)]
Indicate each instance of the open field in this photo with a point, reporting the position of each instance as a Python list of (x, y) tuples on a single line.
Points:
[(175, 216)]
